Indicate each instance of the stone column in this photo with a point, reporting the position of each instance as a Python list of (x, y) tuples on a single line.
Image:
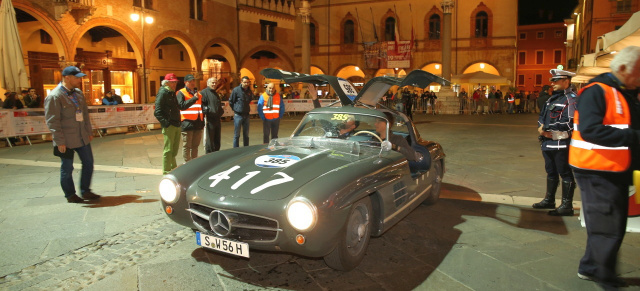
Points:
[(446, 96), (305, 13)]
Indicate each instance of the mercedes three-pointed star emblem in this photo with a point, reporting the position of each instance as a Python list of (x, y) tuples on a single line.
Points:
[(220, 223)]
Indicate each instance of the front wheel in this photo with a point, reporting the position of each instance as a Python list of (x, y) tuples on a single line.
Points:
[(355, 238), (434, 194)]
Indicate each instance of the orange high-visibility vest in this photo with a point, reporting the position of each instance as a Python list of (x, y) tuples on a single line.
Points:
[(273, 113), (589, 156), (195, 111)]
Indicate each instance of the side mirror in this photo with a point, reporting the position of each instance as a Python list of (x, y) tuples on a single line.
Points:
[(385, 146)]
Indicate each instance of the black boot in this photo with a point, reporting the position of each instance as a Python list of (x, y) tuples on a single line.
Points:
[(566, 208), (549, 201)]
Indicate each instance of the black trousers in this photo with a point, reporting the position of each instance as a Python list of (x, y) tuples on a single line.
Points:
[(270, 128), (557, 163), (212, 144), (605, 202)]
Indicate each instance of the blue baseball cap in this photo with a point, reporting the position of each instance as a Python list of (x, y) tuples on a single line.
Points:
[(73, 71)]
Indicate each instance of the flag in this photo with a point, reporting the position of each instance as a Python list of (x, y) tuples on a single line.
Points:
[(397, 33), (375, 34)]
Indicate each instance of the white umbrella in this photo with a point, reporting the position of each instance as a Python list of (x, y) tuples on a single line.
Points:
[(479, 77), (13, 74)]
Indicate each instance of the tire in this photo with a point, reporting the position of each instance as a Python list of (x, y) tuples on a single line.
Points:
[(434, 194), (355, 237)]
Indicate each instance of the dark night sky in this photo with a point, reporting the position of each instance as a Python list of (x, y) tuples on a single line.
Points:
[(544, 11)]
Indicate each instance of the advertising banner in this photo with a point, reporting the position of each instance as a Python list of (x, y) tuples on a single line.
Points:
[(29, 122), (6, 124), (398, 58)]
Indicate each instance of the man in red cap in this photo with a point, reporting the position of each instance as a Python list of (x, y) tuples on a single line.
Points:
[(168, 114)]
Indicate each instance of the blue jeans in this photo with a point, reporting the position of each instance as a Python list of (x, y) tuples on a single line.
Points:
[(240, 121), (66, 171)]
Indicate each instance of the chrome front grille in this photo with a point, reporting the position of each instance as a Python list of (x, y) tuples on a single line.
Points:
[(245, 227)]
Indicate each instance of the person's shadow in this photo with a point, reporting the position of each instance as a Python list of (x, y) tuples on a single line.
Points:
[(111, 201), (410, 252)]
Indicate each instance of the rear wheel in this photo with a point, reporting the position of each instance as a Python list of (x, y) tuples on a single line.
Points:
[(434, 194), (355, 238)]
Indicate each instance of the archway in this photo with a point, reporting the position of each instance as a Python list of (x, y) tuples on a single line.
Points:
[(481, 66), (436, 69), (44, 45), (391, 72), (110, 62), (219, 61), (265, 57), (171, 52), (316, 71)]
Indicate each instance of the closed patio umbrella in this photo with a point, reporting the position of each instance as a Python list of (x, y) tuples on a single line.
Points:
[(13, 74)]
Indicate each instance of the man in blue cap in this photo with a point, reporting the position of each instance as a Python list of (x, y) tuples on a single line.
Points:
[(67, 117)]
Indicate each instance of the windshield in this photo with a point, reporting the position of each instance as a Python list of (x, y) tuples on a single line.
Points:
[(353, 127)]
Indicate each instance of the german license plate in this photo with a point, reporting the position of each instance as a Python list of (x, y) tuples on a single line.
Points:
[(223, 245)]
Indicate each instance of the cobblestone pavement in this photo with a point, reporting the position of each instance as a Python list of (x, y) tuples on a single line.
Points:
[(487, 238)]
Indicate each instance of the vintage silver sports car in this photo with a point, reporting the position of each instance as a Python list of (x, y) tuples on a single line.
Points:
[(323, 191)]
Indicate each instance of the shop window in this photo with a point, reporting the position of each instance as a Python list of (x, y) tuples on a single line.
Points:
[(434, 26), (195, 9), (623, 6), (390, 29), (349, 32), (160, 54), (482, 24), (522, 58), (267, 30), (45, 37), (523, 35), (557, 56), (539, 57), (312, 34), (520, 80), (538, 80)]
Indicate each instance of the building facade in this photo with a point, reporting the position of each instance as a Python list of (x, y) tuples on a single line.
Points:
[(591, 19), (541, 47), (234, 38), (483, 36)]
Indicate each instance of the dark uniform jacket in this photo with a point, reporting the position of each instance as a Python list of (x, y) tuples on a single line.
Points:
[(240, 100), (167, 109), (557, 115), (211, 105), (592, 104)]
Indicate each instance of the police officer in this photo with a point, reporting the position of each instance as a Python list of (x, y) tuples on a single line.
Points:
[(555, 125)]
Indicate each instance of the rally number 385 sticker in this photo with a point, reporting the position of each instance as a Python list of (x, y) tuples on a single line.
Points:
[(276, 161)]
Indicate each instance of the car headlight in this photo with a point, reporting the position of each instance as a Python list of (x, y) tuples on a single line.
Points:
[(301, 214), (168, 190)]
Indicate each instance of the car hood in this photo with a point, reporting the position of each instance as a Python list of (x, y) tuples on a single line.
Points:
[(272, 174)]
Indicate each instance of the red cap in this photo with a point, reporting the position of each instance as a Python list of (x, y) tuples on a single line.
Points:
[(171, 77)]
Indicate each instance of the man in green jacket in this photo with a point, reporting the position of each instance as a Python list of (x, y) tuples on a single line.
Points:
[(168, 114)]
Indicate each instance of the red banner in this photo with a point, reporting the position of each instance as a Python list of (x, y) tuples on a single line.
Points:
[(398, 58)]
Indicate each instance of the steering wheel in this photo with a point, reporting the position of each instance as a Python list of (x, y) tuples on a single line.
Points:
[(368, 132), (314, 131)]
